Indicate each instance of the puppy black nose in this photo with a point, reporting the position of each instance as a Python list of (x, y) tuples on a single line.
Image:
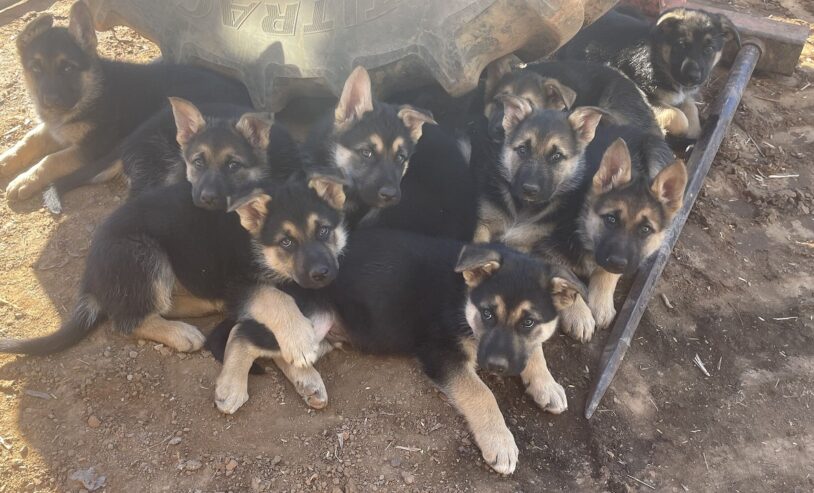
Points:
[(497, 364), (616, 263), (209, 198), (388, 193), (319, 273), (692, 72), (530, 189)]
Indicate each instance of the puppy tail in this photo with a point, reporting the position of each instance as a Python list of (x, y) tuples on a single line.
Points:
[(216, 343), (103, 169), (87, 315)]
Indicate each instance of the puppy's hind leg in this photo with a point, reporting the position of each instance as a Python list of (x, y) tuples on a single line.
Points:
[(178, 335)]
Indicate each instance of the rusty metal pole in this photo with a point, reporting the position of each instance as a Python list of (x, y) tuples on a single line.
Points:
[(698, 165)]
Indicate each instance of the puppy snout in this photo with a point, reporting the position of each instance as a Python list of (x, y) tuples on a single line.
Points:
[(530, 190), (616, 263), (388, 194), (319, 273), (692, 71), (497, 364)]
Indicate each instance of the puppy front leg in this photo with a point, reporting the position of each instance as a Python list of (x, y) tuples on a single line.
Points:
[(46, 171), (577, 320), (299, 344), (541, 386), (36, 144), (306, 380), (600, 296), (232, 387), (690, 110)]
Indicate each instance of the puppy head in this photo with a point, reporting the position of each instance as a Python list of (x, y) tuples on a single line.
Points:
[(687, 44), (298, 229), (543, 151), (512, 305), (373, 142), (223, 157), (626, 215), (60, 65)]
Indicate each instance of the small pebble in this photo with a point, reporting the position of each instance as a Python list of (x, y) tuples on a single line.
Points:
[(94, 422)]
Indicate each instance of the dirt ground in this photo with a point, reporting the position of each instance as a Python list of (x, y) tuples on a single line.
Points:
[(739, 286)]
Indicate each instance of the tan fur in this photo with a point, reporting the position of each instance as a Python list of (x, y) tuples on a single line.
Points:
[(232, 387), (306, 380), (578, 321), (255, 127), (356, 98), (672, 120), (253, 213), (600, 296), (614, 169), (36, 144), (669, 185), (329, 190), (690, 110), (293, 331), (475, 276), (414, 120), (177, 335), (540, 384), (50, 168)]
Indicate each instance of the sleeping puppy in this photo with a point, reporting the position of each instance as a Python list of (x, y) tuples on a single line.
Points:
[(668, 60)]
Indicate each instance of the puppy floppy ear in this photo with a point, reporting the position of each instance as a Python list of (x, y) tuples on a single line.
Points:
[(669, 21), (252, 209), (255, 127), (188, 120), (584, 120), (557, 95), (81, 26), (356, 98), (730, 31), (668, 186), (495, 72), (414, 119), (565, 287), (330, 188), (615, 168), (477, 263), (515, 110), (42, 23)]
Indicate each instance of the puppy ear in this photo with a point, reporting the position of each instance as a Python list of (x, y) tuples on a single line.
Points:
[(42, 23), (730, 31), (252, 209), (188, 120), (584, 120), (565, 287), (668, 186), (557, 95), (515, 110), (495, 72), (356, 99), (669, 20), (330, 188), (477, 263), (414, 119), (615, 168), (255, 127), (81, 26)]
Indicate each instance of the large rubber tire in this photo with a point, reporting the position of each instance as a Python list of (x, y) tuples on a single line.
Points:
[(287, 48)]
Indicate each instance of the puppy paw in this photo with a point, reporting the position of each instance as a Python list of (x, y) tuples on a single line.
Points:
[(313, 392), (186, 338), (603, 311), (577, 321), (23, 187), (229, 398), (300, 347), (549, 395), (499, 449)]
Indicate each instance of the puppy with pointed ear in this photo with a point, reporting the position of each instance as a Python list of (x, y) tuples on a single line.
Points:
[(42, 23), (557, 96), (81, 26), (565, 287), (515, 110), (477, 263), (252, 209), (356, 98), (414, 119), (188, 120), (495, 72), (729, 29), (614, 170), (329, 187), (584, 121), (668, 187), (256, 129)]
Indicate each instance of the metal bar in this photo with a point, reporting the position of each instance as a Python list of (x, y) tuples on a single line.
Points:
[(648, 275)]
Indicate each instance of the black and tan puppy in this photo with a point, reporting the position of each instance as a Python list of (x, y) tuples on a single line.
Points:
[(160, 257), (668, 60), (87, 104), (370, 142), (566, 85), (455, 308)]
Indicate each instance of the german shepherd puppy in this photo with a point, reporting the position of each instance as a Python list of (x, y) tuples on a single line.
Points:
[(669, 61), (161, 256), (455, 308), (565, 85), (370, 142), (87, 104)]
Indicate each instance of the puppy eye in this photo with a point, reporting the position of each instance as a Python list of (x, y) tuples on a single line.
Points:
[(522, 150), (556, 157), (68, 68), (366, 153), (645, 230), (708, 50), (487, 314), (610, 219), (528, 323), (324, 232), (234, 165), (286, 242), (198, 162), (35, 67), (401, 158)]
